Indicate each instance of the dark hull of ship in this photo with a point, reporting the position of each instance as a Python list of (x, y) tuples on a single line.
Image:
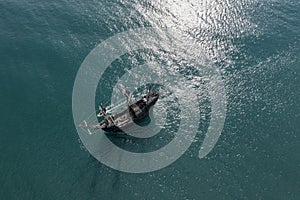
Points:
[(135, 113)]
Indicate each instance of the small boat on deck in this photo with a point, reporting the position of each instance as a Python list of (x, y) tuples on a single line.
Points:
[(134, 113)]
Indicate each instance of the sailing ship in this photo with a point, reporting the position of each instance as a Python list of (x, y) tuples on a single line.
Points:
[(134, 113)]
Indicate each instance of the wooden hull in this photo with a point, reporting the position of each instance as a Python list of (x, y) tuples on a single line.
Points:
[(133, 114)]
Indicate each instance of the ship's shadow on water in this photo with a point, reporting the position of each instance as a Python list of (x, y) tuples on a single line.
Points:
[(144, 145), (91, 178), (145, 122)]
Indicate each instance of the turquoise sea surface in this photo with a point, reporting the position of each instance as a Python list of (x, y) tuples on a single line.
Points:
[(255, 44)]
